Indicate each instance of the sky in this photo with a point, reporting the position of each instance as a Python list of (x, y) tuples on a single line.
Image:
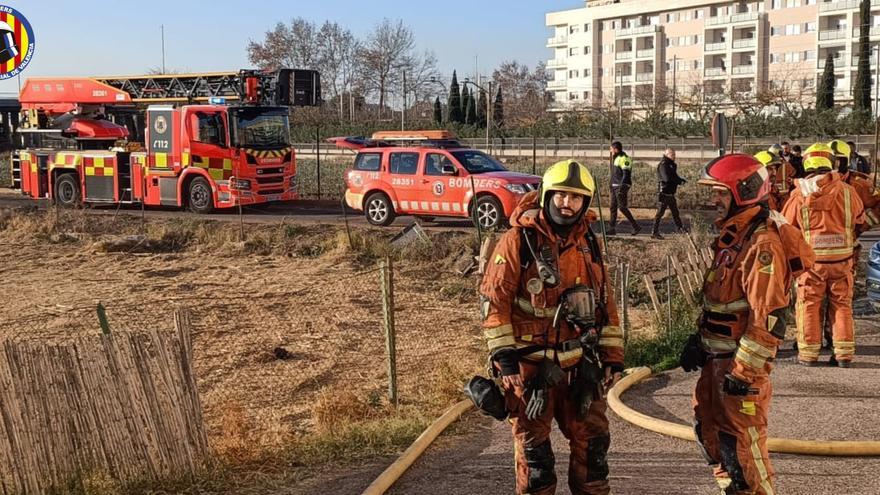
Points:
[(122, 37)]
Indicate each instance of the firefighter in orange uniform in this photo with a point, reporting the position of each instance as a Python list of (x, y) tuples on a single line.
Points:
[(772, 162), (745, 296), (785, 173), (551, 323), (830, 214), (862, 184)]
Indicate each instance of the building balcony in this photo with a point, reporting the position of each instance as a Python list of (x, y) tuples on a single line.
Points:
[(636, 31), (560, 40), (715, 72), (627, 78), (839, 5), (559, 63), (740, 70), (874, 31), (872, 60), (837, 34), (646, 53), (733, 19), (557, 84), (645, 77), (744, 43), (719, 46), (623, 55), (626, 102)]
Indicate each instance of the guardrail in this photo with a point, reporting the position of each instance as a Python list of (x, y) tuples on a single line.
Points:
[(832, 35), (557, 40), (714, 71), (743, 69), (715, 47), (623, 55), (557, 63), (744, 43), (635, 31), (646, 53)]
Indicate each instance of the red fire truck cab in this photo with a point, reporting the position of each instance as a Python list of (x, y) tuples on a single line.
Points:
[(201, 156)]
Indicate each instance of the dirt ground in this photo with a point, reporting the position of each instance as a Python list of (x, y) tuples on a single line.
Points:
[(279, 331)]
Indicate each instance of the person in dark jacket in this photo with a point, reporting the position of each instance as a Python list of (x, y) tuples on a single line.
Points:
[(856, 161), (621, 182), (797, 161), (668, 181)]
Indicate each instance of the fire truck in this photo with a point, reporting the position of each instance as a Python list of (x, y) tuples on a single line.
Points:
[(201, 141)]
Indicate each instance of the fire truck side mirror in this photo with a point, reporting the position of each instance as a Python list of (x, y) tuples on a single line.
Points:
[(449, 170)]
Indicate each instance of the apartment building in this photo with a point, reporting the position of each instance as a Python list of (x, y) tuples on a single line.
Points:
[(630, 51)]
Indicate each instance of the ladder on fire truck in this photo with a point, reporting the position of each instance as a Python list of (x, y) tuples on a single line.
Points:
[(287, 87)]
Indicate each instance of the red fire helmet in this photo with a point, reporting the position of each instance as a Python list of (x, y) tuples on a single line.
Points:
[(741, 174)]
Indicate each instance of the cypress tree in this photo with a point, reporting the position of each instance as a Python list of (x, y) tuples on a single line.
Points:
[(438, 112), (481, 110), (825, 92), (465, 96), (498, 110), (471, 114), (454, 104), (862, 89)]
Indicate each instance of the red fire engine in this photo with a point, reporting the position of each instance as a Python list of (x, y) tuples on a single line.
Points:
[(203, 154)]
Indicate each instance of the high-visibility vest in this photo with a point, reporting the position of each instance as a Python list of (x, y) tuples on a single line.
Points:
[(831, 245)]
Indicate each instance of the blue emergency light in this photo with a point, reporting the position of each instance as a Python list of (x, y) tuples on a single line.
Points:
[(217, 100)]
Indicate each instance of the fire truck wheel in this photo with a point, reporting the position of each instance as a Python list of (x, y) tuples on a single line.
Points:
[(378, 210), (200, 198), (489, 213), (67, 194)]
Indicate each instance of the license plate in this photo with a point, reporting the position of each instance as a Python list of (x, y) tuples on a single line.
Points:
[(273, 197)]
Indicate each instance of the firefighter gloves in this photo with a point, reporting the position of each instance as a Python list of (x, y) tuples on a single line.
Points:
[(693, 357)]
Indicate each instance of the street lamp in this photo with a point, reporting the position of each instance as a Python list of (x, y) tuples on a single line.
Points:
[(488, 107)]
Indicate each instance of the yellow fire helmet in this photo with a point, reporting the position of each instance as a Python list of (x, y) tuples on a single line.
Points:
[(818, 157), (839, 148), (767, 159), (570, 176)]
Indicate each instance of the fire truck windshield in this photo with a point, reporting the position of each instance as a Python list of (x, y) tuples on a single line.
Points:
[(477, 162), (261, 127)]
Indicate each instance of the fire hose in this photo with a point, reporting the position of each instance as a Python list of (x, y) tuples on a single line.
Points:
[(391, 474), (634, 376)]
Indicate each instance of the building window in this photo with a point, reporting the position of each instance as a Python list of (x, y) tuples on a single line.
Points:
[(775, 58), (586, 28), (654, 20), (810, 27), (792, 3), (572, 96), (687, 16), (586, 95), (572, 51), (572, 74), (775, 30), (698, 14), (586, 72), (809, 2), (574, 29), (792, 29), (698, 64), (810, 55), (808, 83), (586, 50), (777, 4)]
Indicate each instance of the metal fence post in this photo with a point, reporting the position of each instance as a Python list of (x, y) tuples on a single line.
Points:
[(386, 274), (318, 153)]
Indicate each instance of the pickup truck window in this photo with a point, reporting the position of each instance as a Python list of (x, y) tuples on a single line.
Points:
[(370, 162), (404, 163)]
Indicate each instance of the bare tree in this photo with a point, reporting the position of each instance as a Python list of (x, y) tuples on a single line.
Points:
[(337, 61), (385, 55), (525, 98), (293, 46), (419, 75)]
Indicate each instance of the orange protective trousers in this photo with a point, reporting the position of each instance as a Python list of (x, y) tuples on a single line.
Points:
[(588, 440), (732, 430), (834, 281)]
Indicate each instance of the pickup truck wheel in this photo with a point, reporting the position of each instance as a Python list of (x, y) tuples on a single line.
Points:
[(379, 210), (67, 193), (489, 214)]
